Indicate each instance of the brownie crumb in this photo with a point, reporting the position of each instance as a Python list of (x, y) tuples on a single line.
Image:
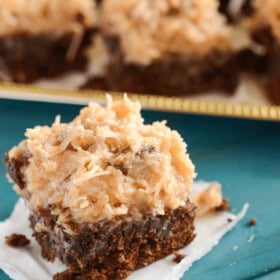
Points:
[(252, 222), (178, 257), (225, 206), (17, 240), (229, 220)]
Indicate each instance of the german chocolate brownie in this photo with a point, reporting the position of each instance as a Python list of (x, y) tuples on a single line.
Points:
[(258, 21), (264, 27), (107, 193), (43, 38), (182, 47), (168, 47)]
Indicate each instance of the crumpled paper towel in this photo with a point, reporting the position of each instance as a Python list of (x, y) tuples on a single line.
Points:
[(27, 263)]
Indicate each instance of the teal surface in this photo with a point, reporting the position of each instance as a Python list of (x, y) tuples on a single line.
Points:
[(243, 155)]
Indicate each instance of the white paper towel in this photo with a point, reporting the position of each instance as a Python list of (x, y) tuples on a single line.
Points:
[(27, 263)]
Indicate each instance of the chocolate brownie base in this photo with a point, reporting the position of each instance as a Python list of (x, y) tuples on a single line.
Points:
[(175, 75), (272, 81), (26, 57), (97, 83), (111, 249)]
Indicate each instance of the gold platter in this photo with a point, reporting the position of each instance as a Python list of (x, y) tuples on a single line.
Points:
[(154, 102)]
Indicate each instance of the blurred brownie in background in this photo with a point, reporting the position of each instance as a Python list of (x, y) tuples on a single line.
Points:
[(167, 47), (252, 58), (265, 29), (43, 38), (260, 20)]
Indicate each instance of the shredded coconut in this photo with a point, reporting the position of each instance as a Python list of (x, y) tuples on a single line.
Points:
[(149, 29), (208, 199), (39, 16), (104, 163)]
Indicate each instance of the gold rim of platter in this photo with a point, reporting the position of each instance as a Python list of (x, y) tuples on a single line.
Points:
[(153, 102)]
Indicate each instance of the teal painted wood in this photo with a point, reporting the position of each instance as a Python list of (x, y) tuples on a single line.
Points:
[(243, 155)]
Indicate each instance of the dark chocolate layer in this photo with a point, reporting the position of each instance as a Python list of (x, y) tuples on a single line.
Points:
[(26, 57), (174, 75), (112, 249)]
